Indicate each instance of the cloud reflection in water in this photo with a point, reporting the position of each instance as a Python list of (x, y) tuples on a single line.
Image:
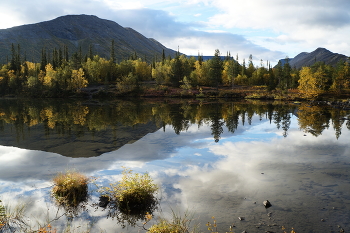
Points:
[(303, 177)]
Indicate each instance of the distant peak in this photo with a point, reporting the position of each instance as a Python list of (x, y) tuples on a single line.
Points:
[(321, 49), (77, 16)]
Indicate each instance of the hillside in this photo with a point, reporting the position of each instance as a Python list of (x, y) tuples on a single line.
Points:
[(75, 31), (320, 54)]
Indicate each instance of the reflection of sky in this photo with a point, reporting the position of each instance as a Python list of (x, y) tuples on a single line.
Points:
[(303, 176)]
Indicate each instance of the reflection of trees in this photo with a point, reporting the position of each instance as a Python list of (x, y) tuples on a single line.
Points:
[(77, 119), (338, 119), (216, 123), (232, 118), (313, 119), (177, 117), (282, 119)]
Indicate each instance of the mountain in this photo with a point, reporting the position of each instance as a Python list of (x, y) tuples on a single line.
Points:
[(320, 54), (75, 31)]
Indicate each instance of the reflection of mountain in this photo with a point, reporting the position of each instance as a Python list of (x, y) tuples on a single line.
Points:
[(77, 129), (84, 143)]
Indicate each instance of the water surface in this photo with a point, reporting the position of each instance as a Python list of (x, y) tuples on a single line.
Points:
[(209, 158)]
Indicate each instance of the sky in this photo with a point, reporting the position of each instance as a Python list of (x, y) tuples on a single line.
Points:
[(268, 30)]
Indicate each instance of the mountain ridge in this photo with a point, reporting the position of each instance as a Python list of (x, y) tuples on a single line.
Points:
[(75, 31), (320, 54)]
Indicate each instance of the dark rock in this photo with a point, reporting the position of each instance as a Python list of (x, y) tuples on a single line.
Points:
[(104, 201), (267, 204)]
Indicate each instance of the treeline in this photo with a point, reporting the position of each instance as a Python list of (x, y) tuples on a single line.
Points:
[(59, 74)]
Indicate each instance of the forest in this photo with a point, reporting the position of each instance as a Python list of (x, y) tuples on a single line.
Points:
[(61, 74)]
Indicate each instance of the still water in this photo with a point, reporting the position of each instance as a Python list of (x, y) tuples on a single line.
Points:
[(211, 159)]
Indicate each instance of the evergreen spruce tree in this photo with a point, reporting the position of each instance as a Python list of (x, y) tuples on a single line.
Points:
[(43, 61), (163, 57), (13, 58), (215, 70), (91, 55), (112, 56), (176, 71)]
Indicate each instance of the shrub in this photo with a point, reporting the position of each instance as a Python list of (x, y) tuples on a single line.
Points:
[(70, 188), (134, 193)]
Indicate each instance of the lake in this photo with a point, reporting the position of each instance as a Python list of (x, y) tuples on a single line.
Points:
[(211, 159)]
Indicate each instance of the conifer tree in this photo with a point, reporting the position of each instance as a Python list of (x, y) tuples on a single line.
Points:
[(112, 56), (163, 57), (43, 62), (215, 69), (91, 55)]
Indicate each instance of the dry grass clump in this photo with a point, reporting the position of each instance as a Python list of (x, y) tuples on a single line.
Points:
[(70, 188), (12, 218), (178, 224), (134, 193)]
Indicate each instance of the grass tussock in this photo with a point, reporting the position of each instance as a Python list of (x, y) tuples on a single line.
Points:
[(178, 224), (134, 193), (12, 218), (70, 188)]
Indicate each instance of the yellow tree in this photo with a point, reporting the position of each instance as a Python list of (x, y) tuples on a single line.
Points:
[(77, 80), (161, 73), (50, 76), (12, 79), (311, 84), (227, 74), (142, 70), (202, 72)]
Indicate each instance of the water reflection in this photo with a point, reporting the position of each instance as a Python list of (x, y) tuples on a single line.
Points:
[(85, 129), (217, 159)]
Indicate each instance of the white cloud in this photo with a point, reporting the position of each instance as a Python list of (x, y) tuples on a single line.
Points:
[(311, 24), (261, 28), (162, 25)]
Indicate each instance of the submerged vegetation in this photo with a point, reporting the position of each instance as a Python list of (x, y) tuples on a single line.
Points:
[(61, 75)]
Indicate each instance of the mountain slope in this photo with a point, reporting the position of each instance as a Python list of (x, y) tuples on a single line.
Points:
[(77, 31), (320, 54)]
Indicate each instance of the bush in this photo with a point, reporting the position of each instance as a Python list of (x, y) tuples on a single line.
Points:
[(134, 193), (70, 188)]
